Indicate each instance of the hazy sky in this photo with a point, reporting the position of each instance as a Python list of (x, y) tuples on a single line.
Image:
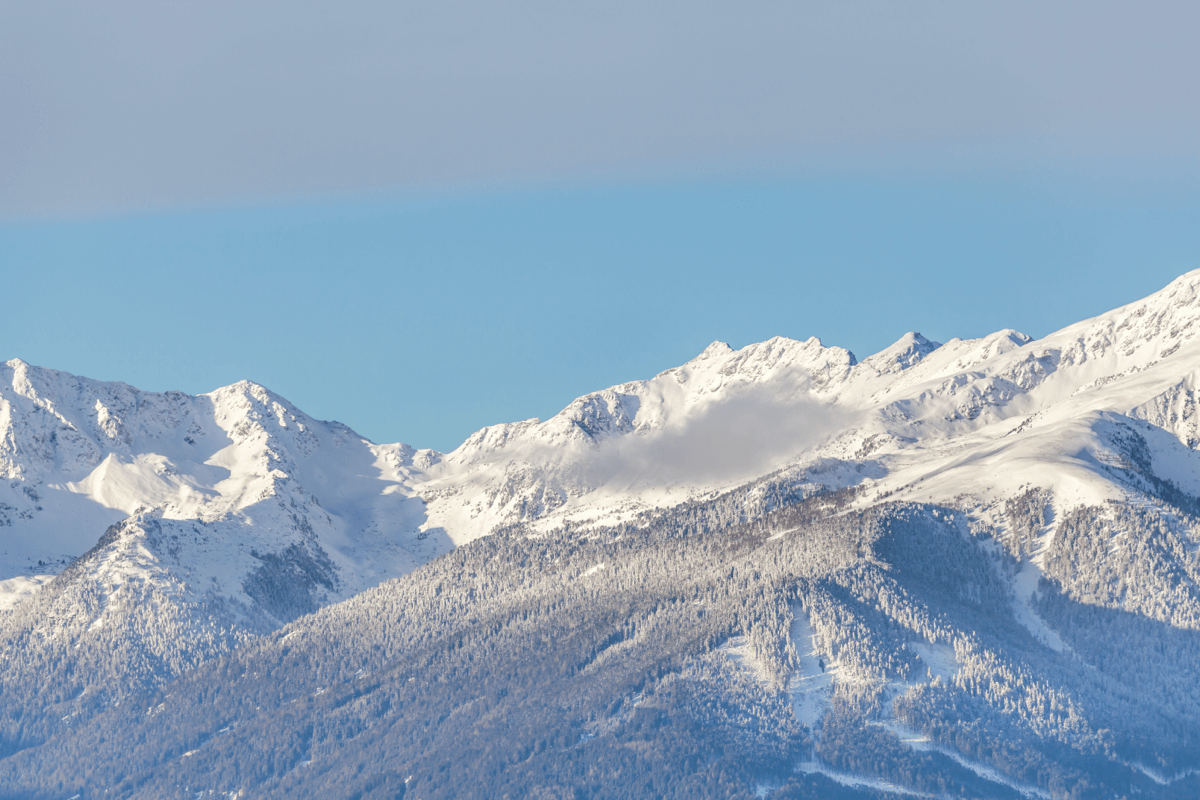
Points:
[(126, 105), (421, 219)]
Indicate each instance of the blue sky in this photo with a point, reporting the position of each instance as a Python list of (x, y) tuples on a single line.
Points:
[(426, 318), (423, 220)]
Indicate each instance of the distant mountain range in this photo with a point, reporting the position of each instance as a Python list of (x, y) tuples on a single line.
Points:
[(968, 569)]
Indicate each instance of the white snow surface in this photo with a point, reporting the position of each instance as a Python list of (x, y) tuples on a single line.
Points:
[(813, 682), (240, 472), (227, 474), (14, 590)]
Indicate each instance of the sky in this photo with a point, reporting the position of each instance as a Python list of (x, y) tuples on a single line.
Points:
[(420, 219)]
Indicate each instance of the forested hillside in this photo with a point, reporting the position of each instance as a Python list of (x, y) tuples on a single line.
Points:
[(668, 660)]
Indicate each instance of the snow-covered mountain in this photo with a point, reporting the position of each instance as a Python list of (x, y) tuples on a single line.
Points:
[(240, 512), (188, 523), (971, 421), (956, 565)]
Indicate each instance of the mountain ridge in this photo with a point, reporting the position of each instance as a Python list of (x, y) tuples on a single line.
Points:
[(815, 557), (263, 478), (911, 373)]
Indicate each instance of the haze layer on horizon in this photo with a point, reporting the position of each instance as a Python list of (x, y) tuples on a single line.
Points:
[(132, 105)]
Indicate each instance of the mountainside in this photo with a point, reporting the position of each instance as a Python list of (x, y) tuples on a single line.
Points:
[(960, 569)]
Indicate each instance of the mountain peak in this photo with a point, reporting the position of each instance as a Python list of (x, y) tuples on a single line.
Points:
[(902, 354), (1014, 336), (714, 350)]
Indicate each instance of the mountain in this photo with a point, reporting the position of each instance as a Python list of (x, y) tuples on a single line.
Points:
[(182, 526), (964, 569)]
